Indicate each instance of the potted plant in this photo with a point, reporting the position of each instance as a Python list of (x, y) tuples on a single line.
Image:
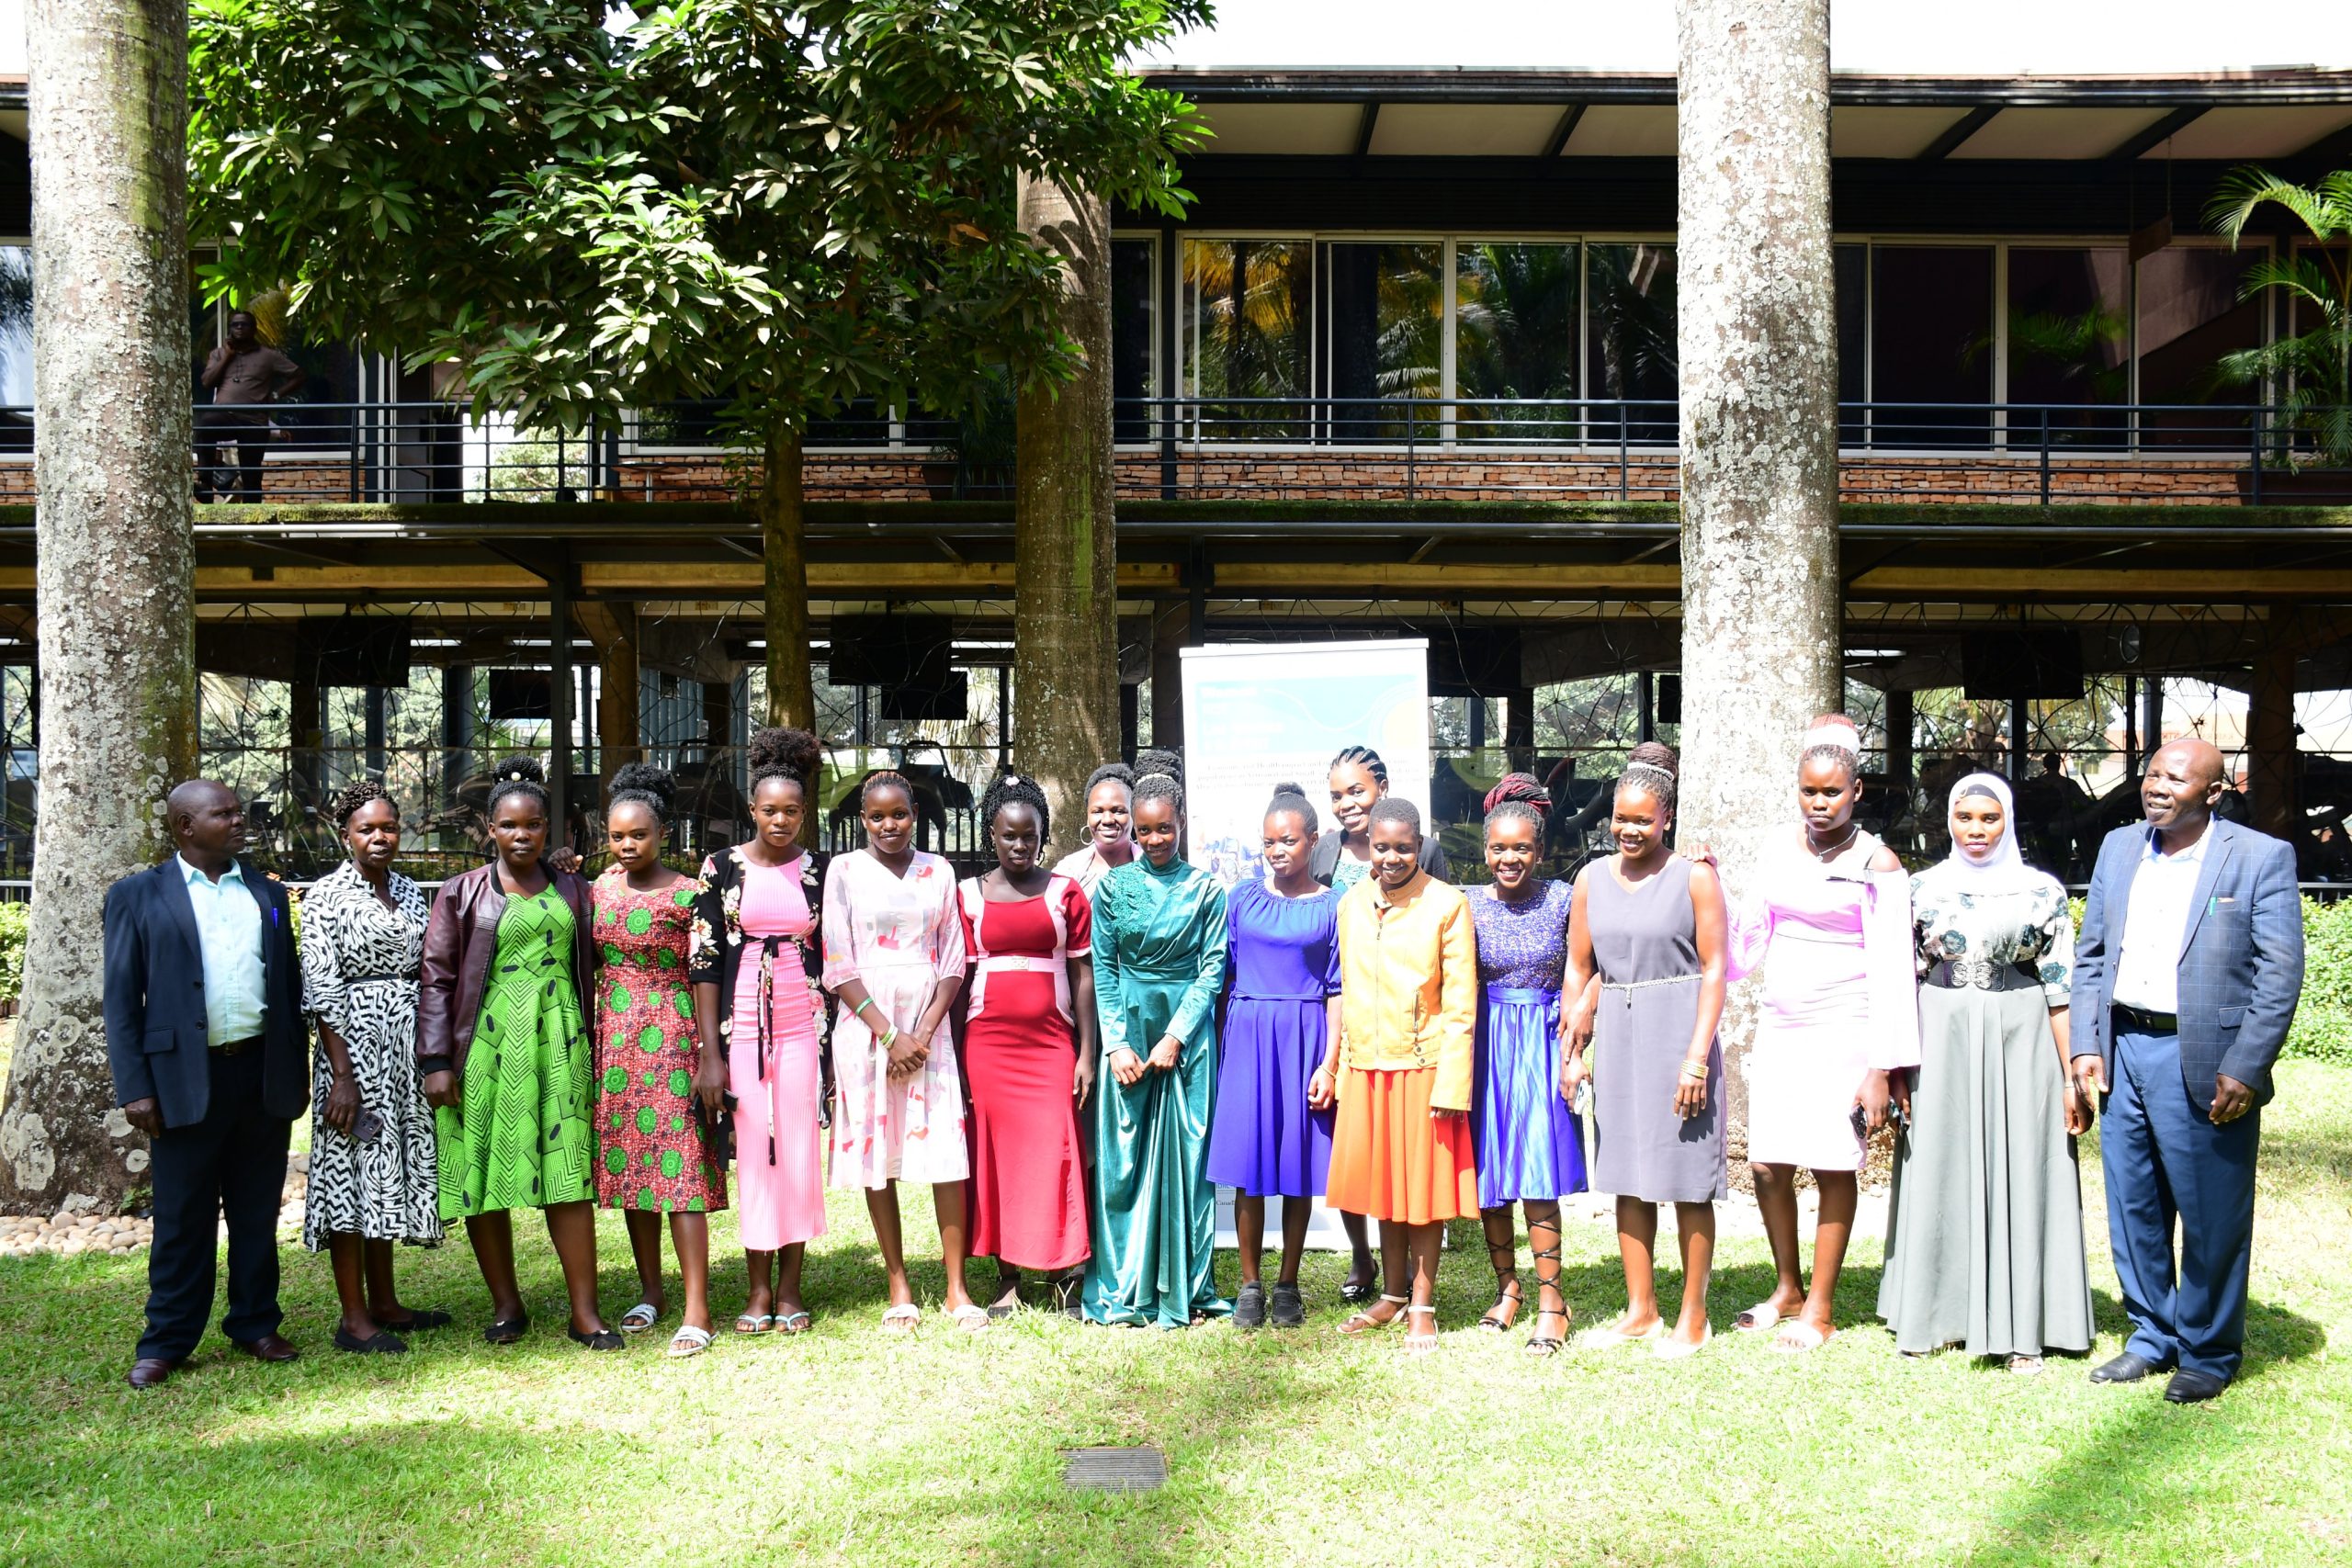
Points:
[(2311, 439)]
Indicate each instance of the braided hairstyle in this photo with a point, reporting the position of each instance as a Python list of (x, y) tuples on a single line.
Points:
[(1014, 789), (1651, 767), (1836, 738), (1367, 759), (349, 799), (646, 786), (789, 754), (883, 778), (518, 775), (1111, 772), (1519, 797), (1159, 775)]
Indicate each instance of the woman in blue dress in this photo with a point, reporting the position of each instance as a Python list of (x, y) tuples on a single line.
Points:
[(1530, 1150), (1265, 1141)]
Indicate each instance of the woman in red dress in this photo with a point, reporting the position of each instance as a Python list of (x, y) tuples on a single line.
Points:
[(1029, 1066)]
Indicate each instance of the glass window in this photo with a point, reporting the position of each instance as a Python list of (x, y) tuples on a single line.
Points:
[(1931, 345), (1850, 279), (1629, 340), (16, 348), (2069, 340), (1248, 336), (1134, 336), (2189, 316), (1387, 310), (1515, 337)]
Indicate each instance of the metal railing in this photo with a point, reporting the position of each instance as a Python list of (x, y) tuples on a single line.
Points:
[(1256, 448)]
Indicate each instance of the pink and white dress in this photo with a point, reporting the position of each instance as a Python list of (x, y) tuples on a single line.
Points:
[(1840, 997), (900, 935)]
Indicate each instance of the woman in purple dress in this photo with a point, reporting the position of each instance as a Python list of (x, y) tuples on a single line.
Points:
[(1264, 1140), (1530, 1150)]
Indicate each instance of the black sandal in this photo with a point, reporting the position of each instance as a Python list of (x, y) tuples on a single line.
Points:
[(1507, 1289), (383, 1342), (507, 1330), (1542, 1344), (603, 1339)]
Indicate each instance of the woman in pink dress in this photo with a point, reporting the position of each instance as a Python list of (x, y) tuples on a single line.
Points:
[(1830, 925), (894, 961), (754, 964)]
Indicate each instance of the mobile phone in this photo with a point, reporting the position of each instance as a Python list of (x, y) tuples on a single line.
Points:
[(366, 1127)]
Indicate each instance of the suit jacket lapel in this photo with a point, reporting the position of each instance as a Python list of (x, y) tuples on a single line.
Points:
[(2209, 876)]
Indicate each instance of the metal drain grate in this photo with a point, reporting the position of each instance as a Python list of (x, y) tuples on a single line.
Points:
[(1114, 1470)]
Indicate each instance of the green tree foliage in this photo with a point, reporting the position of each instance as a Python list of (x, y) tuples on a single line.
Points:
[(2312, 369), (790, 207)]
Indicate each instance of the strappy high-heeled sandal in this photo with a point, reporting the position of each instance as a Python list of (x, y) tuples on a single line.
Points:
[(1548, 1279), (1507, 1292), (1542, 1344)]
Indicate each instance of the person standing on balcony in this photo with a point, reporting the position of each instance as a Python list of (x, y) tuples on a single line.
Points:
[(1831, 928), (755, 957), (244, 374), (2186, 977), (374, 1165), (658, 1093), (1358, 781), (502, 1043), (1110, 841), (1160, 951), (1984, 1235), (204, 1036), (1029, 1052), (893, 959)]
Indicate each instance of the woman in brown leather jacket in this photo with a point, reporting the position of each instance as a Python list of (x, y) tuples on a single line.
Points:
[(501, 1039)]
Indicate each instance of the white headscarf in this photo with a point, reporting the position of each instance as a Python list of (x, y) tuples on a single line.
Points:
[(2007, 871)]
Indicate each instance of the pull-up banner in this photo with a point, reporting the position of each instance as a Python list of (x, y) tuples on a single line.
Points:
[(1260, 715)]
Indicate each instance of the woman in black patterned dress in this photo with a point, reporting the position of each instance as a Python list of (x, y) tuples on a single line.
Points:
[(372, 1154)]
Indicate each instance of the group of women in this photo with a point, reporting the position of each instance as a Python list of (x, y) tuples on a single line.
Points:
[(1075, 1058)]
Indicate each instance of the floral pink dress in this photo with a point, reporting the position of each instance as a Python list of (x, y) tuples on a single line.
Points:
[(900, 935)]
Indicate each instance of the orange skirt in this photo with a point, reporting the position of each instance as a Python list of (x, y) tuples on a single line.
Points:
[(1391, 1160)]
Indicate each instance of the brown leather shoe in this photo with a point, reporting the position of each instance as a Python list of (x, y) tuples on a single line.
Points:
[(269, 1347), (150, 1372)]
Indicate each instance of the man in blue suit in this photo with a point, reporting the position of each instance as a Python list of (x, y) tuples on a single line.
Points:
[(2186, 977), (205, 1036)]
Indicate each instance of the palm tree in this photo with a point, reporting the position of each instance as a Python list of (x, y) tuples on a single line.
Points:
[(2313, 371)]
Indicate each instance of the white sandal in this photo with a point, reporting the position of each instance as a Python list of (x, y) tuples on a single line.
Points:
[(1609, 1336), (1420, 1344), (640, 1317), (971, 1317), (1361, 1321), (1798, 1338), (1668, 1349), (689, 1341), (905, 1312)]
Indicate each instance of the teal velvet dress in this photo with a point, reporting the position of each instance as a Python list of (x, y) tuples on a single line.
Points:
[(1158, 939)]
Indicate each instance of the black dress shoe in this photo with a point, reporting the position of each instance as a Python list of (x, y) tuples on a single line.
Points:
[(422, 1317), (2126, 1368), (1249, 1306), (383, 1342), (150, 1371), (269, 1347), (2194, 1388)]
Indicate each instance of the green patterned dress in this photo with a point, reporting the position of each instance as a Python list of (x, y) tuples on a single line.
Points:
[(522, 1139)]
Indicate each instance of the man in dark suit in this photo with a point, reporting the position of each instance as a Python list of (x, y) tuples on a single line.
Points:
[(2186, 977), (205, 1036)]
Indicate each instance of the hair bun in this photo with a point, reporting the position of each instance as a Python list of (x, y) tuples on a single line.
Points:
[(1519, 789), (645, 779), (776, 749), (1166, 764), (520, 770), (1286, 787)]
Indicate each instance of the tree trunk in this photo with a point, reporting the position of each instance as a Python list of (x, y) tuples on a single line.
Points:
[(116, 572), (1066, 653), (1757, 347), (784, 547)]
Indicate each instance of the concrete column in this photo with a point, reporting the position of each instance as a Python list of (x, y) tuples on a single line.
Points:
[(457, 727), (620, 737), (377, 716), (1169, 628), (559, 706), (2272, 766)]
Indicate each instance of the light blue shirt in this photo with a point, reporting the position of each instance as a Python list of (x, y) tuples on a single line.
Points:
[(227, 933)]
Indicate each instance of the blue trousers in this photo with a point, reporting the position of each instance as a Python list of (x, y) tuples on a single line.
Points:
[(2166, 1161), (229, 1166)]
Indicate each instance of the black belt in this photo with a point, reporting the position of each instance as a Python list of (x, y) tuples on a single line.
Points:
[(237, 1047), (2141, 1021), (1948, 976)]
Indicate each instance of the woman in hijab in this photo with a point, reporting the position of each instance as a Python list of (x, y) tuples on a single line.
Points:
[(1985, 1243)]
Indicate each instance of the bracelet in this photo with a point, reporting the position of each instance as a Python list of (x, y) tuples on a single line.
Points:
[(889, 1038), (1694, 1069), (863, 1005)]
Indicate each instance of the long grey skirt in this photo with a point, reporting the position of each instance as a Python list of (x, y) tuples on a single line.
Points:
[(1984, 1240)]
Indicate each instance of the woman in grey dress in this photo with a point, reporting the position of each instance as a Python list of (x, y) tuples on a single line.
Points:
[(1984, 1238), (1647, 944)]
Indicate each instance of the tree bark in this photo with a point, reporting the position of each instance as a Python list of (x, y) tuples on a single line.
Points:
[(784, 547), (613, 628), (115, 569), (1757, 347), (1066, 653)]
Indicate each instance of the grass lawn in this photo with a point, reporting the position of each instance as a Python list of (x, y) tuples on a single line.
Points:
[(849, 1445)]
